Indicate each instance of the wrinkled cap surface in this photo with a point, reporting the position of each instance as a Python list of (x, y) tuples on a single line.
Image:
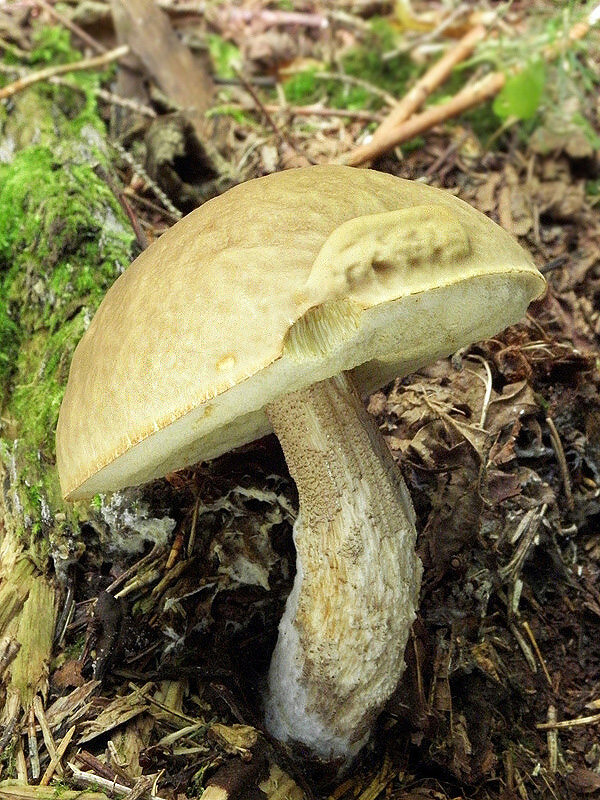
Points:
[(279, 282)]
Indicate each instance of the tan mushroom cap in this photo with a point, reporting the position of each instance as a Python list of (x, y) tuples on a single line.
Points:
[(280, 282)]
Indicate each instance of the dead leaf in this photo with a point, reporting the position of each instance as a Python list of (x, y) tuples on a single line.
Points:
[(502, 485), (234, 739), (584, 780), (516, 402)]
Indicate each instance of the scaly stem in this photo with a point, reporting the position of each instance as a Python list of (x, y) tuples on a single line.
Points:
[(339, 654)]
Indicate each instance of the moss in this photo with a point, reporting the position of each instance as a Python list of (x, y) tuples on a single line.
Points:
[(63, 241), (363, 62), (52, 45)]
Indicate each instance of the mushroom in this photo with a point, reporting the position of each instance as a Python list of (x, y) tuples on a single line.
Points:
[(277, 306)]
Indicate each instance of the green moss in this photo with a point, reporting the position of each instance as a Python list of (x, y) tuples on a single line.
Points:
[(52, 45), (364, 63), (63, 241), (225, 55)]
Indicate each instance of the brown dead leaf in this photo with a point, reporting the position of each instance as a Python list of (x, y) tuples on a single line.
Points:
[(439, 447), (485, 197), (68, 675), (516, 402), (266, 52), (501, 486), (147, 30), (560, 200), (584, 780), (453, 521), (461, 747), (560, 132), (514, 211)]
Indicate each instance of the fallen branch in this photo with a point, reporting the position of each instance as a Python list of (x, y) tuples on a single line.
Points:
[(419, 123), (400, 126), (434, 77), (50, 72), (568, 723)]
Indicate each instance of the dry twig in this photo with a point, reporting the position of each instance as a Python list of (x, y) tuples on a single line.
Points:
[(61, 69), (403, 126), (562, 462), (434, 77), (60, 751), (593, 719)]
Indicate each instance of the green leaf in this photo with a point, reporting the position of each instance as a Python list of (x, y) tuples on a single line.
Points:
[(522, 93)]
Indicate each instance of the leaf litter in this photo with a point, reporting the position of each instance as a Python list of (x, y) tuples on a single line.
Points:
[(501, 450)]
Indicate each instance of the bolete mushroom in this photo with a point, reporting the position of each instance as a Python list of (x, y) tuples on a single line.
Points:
[(276, 306)]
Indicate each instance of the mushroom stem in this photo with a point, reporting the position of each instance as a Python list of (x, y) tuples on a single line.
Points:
[(339, 655)]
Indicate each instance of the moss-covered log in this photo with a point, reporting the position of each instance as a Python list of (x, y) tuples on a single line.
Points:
[(63, 240)]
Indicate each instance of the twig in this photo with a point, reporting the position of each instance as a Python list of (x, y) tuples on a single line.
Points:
[(526, 531), (520, 785), (125, 102), (273, 17), (562, 462), (469, 97), (61, 69), (34, 754), (130, 194), (352, 80), (79, 32), (525, 649), (434, 77), (90, 779), (432, 35), (261, 107), (568, 723), (156, 552), (40, 715), (149, 699), (323, 111), (112, 787), (60, 751), (538, 653), (552, 739), (151, 184), (488, 387)]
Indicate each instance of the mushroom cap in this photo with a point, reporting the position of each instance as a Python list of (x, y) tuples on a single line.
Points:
[(278, 283)]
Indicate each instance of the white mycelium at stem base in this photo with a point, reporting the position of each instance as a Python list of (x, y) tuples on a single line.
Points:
[(339, 654)]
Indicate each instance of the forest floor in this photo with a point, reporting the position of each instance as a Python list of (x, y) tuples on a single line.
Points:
[(171, 608)]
